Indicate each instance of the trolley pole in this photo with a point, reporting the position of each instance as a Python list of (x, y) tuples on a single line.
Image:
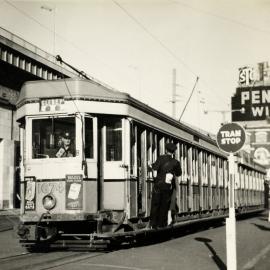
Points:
[(230, 221)]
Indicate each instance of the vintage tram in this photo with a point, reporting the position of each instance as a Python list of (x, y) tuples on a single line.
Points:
[(100, 188)]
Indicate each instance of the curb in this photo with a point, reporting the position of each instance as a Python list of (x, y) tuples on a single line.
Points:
[(10, 212)]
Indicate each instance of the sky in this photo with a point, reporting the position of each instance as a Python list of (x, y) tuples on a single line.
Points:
[(134, 45)]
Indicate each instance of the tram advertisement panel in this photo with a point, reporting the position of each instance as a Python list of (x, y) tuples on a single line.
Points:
[(30, 193), (74, 194)]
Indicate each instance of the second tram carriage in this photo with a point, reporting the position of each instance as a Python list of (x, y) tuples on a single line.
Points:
[(102, 189)]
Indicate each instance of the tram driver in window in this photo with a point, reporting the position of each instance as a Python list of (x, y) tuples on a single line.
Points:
[(66, 149)]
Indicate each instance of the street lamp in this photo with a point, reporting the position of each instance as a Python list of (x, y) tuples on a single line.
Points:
[(223, 112), (50, 9)]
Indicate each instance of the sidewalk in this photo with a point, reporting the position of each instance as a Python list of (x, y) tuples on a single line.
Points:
[(8, 219)]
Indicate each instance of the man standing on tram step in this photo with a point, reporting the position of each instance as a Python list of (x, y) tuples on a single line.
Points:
[(164, 169)]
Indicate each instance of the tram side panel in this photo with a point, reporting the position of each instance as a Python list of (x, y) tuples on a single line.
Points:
[(250, 188), (195, 180), (205, 196), (183, 193)]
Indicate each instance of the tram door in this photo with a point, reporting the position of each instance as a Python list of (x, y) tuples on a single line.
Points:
[(112, 162), (90, 154), (138, 171), (141, 171)]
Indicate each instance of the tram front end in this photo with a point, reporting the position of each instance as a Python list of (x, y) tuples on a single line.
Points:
[(59, 189)]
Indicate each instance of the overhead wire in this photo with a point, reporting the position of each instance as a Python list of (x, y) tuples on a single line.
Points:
[(233, 21), (44, 26), (63, 77), (163, 45), (154, 37), (218, 97), (75, 46), (79, 49), (27, 15), (72, 44), (220, 17)]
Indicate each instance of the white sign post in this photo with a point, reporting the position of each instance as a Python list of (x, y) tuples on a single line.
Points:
[(230, 139), (230, 221)]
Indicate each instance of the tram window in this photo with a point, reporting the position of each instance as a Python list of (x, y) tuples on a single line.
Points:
[(53, 138), (114, 140), (154, 148), (133, 149), (89, 153), (149, 151)]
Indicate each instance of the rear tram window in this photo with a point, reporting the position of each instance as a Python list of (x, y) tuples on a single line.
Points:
[(53, 138), (89, 153), (114, 140)]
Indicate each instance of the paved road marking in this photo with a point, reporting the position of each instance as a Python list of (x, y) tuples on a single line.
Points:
[(259, 256), (113, 266)]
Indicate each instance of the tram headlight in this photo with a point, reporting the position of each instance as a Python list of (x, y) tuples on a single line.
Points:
[(49, 202)]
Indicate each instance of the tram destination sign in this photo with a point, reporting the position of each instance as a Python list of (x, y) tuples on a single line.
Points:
[(231, 138), (52, 104)]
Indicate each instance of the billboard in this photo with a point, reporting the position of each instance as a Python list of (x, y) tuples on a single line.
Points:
[(253, 101), (249, 75), (251, 106)]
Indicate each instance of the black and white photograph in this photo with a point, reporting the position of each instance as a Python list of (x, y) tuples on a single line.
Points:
[(134, 134)]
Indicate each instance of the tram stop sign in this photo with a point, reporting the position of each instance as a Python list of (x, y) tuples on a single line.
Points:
[(231, 138)]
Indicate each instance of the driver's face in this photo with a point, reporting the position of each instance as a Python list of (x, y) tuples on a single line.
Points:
[(66, 141)]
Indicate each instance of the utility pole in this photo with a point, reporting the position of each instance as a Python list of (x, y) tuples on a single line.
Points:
[(174, 93)]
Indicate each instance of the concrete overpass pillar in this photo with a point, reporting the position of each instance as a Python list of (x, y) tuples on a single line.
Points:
[(6, 173)]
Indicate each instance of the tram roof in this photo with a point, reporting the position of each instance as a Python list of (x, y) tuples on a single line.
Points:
[(67, 88), (78, 88)]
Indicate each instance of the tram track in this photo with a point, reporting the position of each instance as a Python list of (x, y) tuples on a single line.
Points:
[(42, 261), (14, 257)]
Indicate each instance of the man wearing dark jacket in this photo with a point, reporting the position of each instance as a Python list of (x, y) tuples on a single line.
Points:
[(165, 169)]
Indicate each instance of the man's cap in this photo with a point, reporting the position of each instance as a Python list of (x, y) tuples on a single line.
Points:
[(66, 135), (171, 147)]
